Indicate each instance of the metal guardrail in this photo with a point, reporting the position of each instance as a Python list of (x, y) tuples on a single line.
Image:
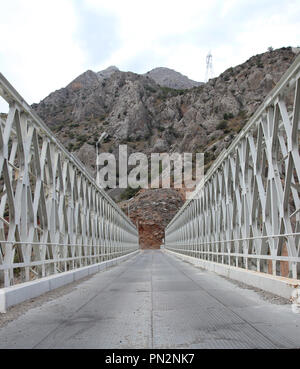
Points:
[(53, 215), (246, 210)]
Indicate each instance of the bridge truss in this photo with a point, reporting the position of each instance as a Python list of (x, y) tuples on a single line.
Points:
[(53, 216), (246, 210)]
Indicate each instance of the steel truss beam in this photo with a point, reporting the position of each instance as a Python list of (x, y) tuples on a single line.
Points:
[(246, 211), (53, 216)]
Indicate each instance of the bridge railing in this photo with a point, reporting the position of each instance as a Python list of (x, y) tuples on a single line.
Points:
[(53, 216), (246, 210)]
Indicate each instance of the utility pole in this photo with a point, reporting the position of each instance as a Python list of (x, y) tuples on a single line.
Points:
[(102, 137)]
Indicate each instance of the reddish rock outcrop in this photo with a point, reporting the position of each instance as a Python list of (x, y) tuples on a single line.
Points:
[(152, 210)]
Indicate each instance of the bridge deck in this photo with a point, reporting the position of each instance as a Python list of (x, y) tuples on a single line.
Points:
[(155, 301)]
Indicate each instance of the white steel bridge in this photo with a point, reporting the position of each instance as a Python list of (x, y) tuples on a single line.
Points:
[(242, 223)]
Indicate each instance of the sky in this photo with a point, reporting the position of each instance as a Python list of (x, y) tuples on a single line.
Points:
[(44, 45)]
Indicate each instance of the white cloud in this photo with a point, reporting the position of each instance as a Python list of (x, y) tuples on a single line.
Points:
[(198, 26), (37, 48), (145, 26), (41, 47)]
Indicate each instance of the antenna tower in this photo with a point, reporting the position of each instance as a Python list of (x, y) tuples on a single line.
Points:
[(209, 67)]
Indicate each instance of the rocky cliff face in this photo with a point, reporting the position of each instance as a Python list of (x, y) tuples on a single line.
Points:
[(166, 77), (136, 110), (151, 211)]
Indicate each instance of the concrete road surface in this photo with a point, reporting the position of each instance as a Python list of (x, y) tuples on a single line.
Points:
[(155, 301)]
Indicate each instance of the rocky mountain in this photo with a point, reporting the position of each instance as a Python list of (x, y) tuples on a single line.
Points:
[(106, 73), (136, 110), (166, 77)]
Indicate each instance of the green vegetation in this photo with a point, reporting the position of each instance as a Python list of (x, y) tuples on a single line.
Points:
[(74, 125), (171, 131), (70, 146), (150, 89), (231, 70), (107, 139), (129, 193), (208, 157), (259, 63), (228, 116), (59, 128), (170, 92), (82, 138), (222, 125)]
